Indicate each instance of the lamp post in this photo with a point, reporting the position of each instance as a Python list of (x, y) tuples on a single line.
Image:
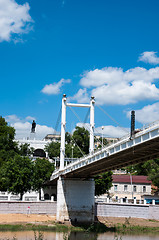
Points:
[(102, 135), (131, 184)]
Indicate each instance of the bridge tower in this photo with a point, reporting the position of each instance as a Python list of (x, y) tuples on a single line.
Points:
[(63, 126), (75, 196)]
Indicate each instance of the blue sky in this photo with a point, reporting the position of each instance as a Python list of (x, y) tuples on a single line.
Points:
[(109, 49)]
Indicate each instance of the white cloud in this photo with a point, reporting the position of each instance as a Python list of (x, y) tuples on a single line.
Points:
[(149, 57), (108, 131), (12, 118), (147, 114), (81, 96), (23, 127), (29, 118), (14, 19), (112, 131), (114, 86), (55, 88)]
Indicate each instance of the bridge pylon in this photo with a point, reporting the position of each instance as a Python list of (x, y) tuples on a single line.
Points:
[(75, 196), (63, 126)]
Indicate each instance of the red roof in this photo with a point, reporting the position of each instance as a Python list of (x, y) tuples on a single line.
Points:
[(126, 179)]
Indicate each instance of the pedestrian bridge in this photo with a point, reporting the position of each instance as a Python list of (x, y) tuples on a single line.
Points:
[(144, 146), (75, 183)]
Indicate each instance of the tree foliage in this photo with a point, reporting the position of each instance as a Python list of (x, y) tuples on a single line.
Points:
[(149, 168), (81, 138), (53, 149), (42, 172), (18, 172), (76, 145), (8, 147), (17, 175), (103, 183)]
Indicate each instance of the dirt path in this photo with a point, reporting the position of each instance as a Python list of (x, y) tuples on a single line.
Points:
[(24, 218)]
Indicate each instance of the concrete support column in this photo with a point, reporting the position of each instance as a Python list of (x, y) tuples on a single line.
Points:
[(75, 200)]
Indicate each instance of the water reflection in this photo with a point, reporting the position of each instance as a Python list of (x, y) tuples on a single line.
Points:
[(30, 235)]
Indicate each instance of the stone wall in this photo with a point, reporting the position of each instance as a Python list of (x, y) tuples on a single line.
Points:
[(127, 210), (101, 209), (28, 207)]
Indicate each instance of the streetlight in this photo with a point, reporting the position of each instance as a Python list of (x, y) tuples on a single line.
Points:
[(102, 135), (131, 184)]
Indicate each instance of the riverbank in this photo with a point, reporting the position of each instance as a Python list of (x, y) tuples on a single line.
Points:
[(21, 222)]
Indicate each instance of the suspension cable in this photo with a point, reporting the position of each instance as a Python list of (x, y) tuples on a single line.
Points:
[(58, 120), (112, 119), (87, 114), (81, 122)]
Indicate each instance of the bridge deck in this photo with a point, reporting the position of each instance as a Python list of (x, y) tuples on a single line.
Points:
[(143, 147)]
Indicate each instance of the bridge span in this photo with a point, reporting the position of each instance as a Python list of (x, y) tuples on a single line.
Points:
[(144, 146)]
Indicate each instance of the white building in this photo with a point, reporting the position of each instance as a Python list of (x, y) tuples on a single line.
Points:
[(130, 187)]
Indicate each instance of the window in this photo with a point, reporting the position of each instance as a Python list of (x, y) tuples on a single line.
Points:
[(115, 187), (134, 188), (144, 188), (125, 187)]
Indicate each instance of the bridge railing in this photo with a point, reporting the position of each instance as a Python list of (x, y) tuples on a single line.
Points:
[(113, 147)]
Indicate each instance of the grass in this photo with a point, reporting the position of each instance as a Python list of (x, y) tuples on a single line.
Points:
[(94, 228), (123, 228)]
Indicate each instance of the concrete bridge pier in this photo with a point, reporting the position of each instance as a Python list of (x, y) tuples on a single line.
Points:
[(75, 200)]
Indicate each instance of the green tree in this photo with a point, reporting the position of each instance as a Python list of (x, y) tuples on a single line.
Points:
[(149, 168), (81, 138), (42, 172), (103, 183), (53, 149), (8, 147), (67, 137), (72, 151), (17, 174)]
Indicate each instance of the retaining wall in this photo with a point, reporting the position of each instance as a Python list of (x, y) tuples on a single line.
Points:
[(101, 209), (127, 210), (28, 207)]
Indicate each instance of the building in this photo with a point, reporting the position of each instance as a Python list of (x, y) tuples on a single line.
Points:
[(53, 137), (99, 139), (130, 187)]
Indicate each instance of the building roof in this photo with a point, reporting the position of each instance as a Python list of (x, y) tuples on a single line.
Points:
[(126, 179)]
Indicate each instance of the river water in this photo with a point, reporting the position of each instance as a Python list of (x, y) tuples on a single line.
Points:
[(30, 235)]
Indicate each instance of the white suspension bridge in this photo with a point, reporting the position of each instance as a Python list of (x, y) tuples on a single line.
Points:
[(75, 184)]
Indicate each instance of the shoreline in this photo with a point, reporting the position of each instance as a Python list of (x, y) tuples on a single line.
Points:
[(33, 222)]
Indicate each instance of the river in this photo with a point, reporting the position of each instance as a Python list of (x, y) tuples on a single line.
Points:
[(30, 235)]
